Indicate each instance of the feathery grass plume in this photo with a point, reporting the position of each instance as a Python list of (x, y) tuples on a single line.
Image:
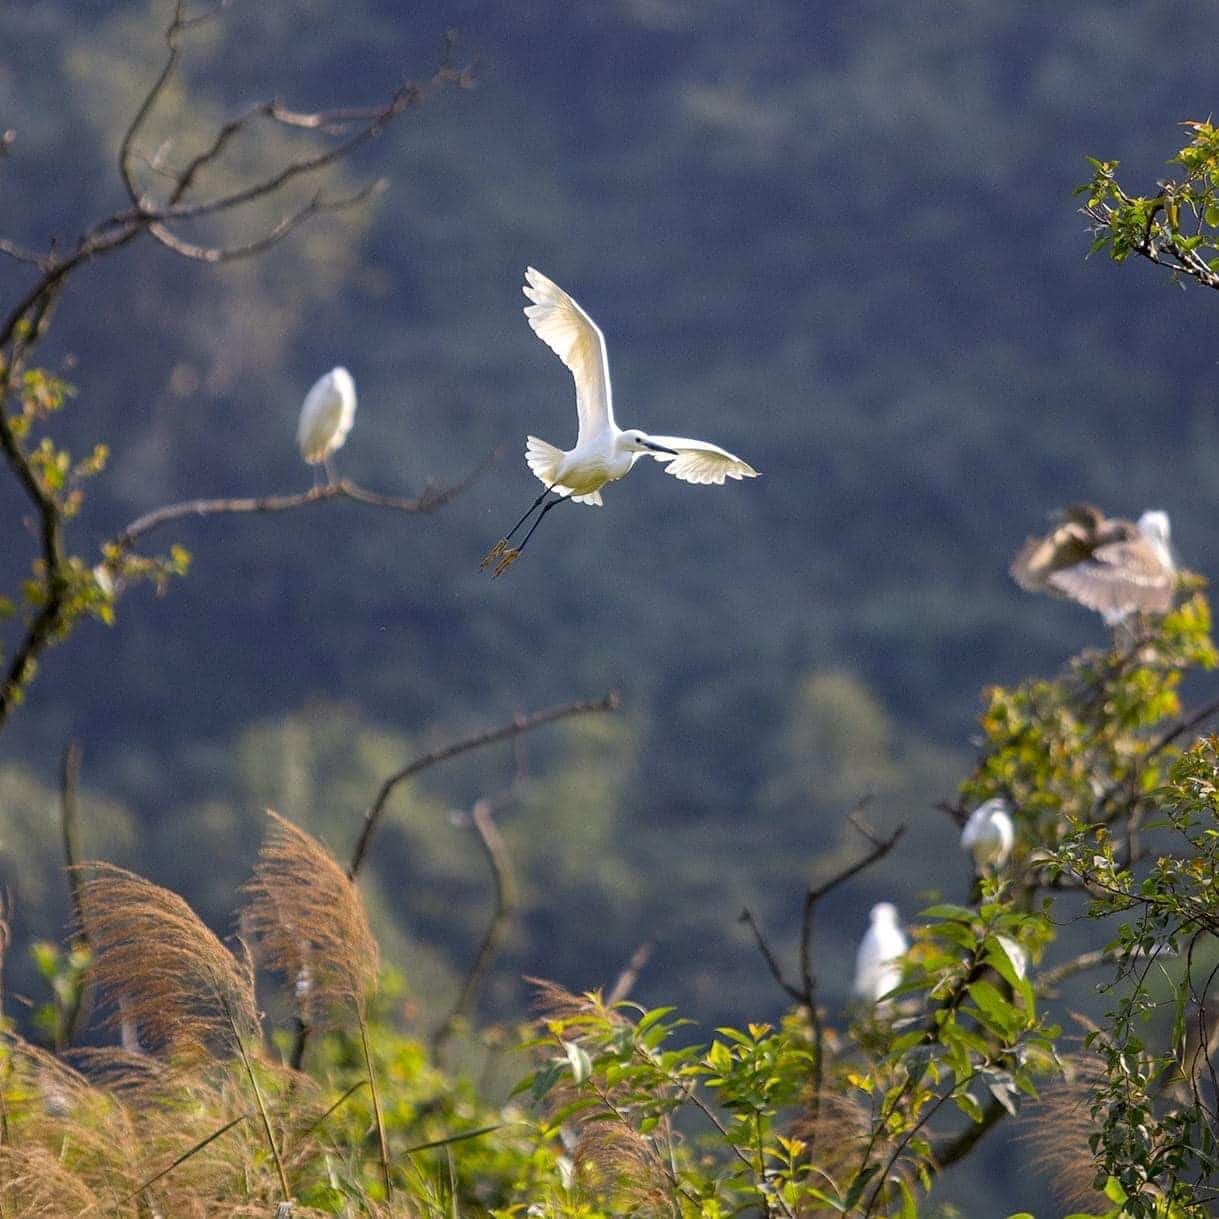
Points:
[(309, 922), (188, 996), (90, 1132), (624, 1168), (554, 1002), (132, 1077), (1057, 1128), (35, 1185), (837, 1135)]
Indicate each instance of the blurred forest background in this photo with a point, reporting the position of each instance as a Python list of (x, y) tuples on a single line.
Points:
[(837, 239)]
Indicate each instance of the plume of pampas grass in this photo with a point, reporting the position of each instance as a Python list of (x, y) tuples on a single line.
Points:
[(35, 1185), (554, 1002), (1057, 1128), (625, 1168), (167, 974), (59, 1110), (308, 921), (163, 970)]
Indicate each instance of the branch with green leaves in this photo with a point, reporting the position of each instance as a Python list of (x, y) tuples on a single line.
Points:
[(1175, 227)]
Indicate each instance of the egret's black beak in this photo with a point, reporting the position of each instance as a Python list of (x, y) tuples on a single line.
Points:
[(658, 448)]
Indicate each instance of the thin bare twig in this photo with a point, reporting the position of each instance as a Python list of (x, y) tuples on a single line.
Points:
[(505, 732), (69, 786), (282, 228), (626, 980), (772, 963), (482, 818)]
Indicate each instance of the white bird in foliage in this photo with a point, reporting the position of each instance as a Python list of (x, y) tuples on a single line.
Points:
[(878, 967), (989, 834), (327, 414), (604, 452), (1114, 566)]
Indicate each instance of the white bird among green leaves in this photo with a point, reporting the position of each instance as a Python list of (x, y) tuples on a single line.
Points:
[(878, 968), (989, 834), (603, 452)]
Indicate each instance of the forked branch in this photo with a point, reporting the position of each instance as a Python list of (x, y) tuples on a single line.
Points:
[(522, 723)]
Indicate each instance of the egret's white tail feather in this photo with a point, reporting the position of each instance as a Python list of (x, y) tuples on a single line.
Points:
[(544, 460)]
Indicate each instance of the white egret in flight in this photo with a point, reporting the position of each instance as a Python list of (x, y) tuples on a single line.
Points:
[(604, 452), (878, 968), (989, 834), (1113, 566), (327, 414)]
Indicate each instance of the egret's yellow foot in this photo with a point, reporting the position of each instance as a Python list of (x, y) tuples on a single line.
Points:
[(493, 554), (510, 557)]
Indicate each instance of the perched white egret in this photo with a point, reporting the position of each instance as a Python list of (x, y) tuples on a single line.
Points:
[(327, 414), (603, 452), (989, 834), (1113, 566), (878, 967)]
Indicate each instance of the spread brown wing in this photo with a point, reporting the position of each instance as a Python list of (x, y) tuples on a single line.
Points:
[(1119, 578), (1039, 558)]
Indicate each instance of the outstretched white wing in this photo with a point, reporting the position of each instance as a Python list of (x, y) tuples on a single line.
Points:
[(576, 339), (699, 461)]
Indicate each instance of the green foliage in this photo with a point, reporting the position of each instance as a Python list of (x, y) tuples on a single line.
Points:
[(1155, 1095), (1178, 225)]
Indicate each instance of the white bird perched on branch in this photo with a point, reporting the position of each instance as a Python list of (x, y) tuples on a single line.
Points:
[(989, 834), (878, 967), (327, 414), (603, 452)]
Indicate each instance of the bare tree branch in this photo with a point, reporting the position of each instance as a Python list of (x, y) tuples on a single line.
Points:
[(13, 250), (525, 723), (1049, 978), (428, 501), (958, 1147), (285, 226)]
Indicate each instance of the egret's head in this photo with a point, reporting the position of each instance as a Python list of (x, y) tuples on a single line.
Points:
[(1154, 526), (635, 441), (996, 806), (884, 913)]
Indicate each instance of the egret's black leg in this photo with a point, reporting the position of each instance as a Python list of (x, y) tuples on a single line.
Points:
[(553, 503), (510, 556), (508, 535), (502, 545)]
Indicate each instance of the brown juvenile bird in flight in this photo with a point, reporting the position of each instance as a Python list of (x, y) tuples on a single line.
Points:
[(1113, 566)]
